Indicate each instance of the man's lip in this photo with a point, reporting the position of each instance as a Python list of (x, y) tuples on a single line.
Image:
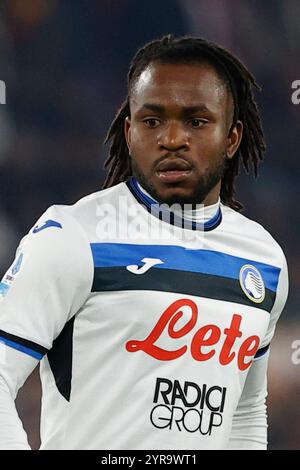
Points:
[(173, 176), (173, 164)]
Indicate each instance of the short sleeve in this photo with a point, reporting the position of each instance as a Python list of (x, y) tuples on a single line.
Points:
[(280, 301), (47, 284)]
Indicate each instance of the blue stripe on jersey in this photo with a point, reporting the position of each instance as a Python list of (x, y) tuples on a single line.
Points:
[(179, 258), (21, 348)]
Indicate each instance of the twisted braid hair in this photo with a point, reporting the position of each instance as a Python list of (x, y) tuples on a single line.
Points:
[(239, 81)]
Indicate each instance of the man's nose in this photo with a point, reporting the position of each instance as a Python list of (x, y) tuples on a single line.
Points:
[(173, 137)]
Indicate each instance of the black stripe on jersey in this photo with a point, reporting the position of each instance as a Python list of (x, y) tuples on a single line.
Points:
[(24, 342), (181, 282), (60, 359), (261, 352)]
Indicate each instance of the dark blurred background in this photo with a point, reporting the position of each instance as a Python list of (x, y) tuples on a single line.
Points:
[(64, 64)]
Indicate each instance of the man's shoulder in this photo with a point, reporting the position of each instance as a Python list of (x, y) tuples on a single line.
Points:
[(70, 224), (253, 231), (90, 201), (85, 209)]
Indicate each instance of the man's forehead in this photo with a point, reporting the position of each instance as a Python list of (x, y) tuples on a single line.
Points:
[(179, 83)]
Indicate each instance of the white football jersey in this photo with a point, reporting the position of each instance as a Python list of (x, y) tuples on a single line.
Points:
[(146, 324)]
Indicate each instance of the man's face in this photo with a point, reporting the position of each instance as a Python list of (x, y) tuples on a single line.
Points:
[(178, 132)]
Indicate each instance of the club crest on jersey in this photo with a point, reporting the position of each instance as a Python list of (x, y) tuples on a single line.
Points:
[(252, 283)]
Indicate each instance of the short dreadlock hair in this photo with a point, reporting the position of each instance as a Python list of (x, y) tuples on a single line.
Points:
[(239, 81)]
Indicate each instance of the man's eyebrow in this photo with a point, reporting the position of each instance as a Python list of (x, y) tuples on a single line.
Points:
[(158, 108)]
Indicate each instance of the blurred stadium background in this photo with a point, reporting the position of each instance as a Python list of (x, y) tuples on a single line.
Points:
[(64, 63)]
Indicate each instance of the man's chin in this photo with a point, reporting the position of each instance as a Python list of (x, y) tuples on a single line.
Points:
[(177, 195), (181, 201)]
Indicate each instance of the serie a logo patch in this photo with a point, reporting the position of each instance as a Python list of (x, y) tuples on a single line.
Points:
[(252, 283)]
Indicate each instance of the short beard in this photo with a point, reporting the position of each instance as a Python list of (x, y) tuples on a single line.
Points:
[(205, 184)]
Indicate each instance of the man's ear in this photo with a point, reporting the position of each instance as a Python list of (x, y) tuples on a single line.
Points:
[(127, 132), (234, 139)]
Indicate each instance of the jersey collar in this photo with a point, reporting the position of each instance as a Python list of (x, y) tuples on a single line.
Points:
[(164, 214)]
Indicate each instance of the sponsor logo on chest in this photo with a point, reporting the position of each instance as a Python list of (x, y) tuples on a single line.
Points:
[(227, 344)]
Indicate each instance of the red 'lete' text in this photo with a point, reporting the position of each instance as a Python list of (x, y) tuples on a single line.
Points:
[(207, 335)]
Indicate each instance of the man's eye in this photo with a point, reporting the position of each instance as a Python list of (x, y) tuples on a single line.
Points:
[(152, 122), (196, 122)]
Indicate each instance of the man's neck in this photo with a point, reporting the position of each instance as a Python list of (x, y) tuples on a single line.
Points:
[(200, 213)]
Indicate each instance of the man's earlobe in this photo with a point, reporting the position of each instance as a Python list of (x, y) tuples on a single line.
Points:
[(234, 139), (127, 131)]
